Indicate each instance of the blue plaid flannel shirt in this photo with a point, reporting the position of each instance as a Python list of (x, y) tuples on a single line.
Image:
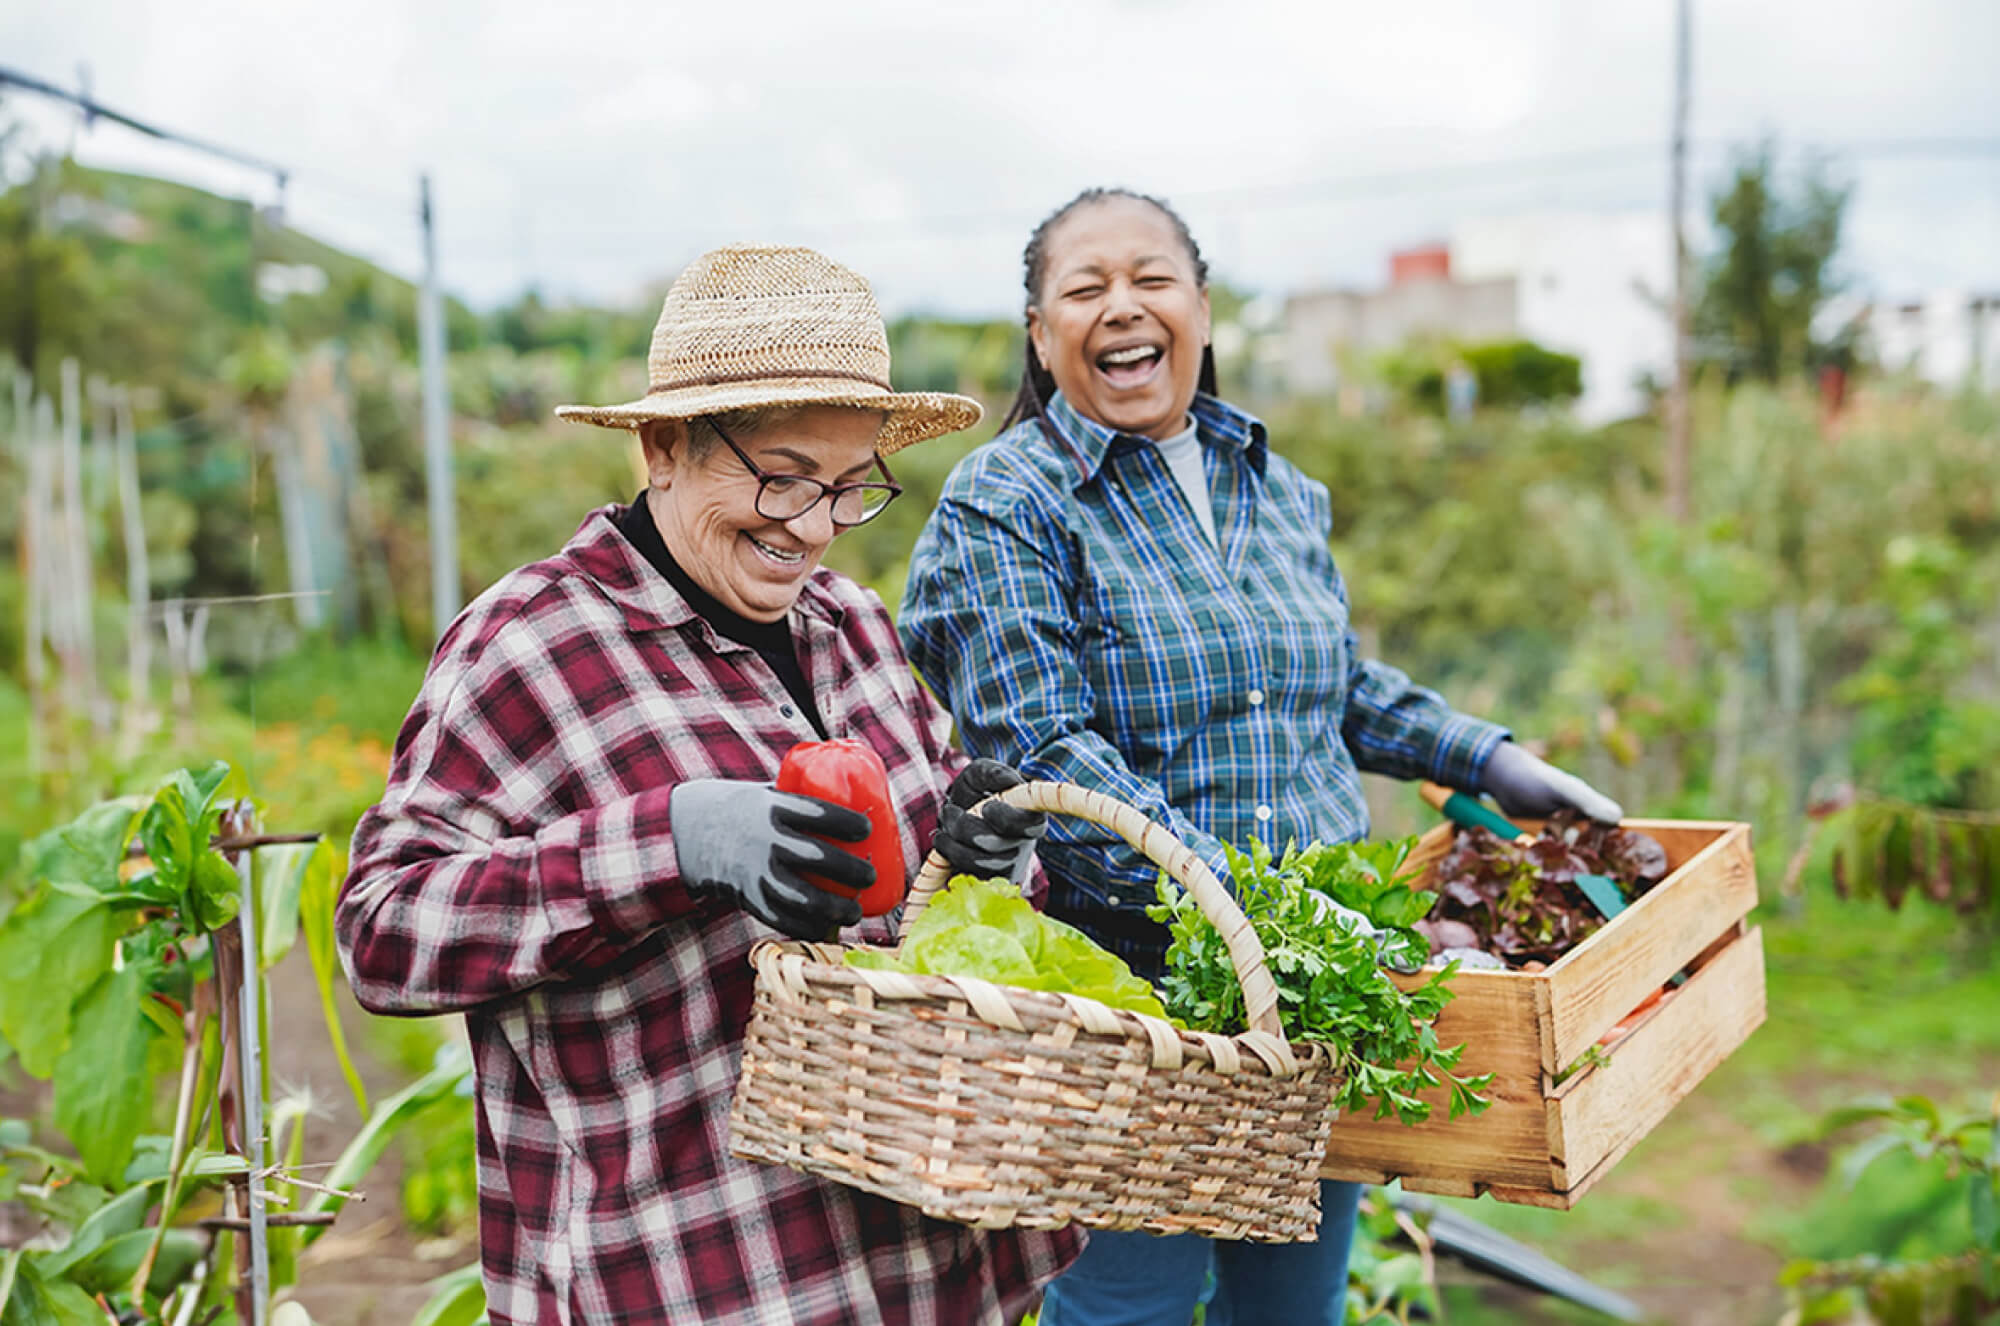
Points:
[(1066, 605)]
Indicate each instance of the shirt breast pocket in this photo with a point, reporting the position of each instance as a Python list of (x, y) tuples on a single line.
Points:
[(1160, 668), (1305, 640)]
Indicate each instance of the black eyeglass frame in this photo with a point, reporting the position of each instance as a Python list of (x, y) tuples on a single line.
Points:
[(766, 478)]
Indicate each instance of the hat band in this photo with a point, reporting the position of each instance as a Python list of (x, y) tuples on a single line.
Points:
[(765, 375)]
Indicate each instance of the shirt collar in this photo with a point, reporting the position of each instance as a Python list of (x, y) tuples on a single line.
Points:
[(1089, 444), (646, 597)]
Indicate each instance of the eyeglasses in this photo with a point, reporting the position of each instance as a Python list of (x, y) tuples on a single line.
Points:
[(789, 496)]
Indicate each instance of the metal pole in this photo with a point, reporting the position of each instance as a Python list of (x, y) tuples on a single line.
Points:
[(437, 433), (1680, 504), (253, 1095)]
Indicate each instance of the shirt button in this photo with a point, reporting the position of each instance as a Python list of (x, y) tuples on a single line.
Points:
[(1111, 898), (1263, 813), (1256, 696), (785, 710)]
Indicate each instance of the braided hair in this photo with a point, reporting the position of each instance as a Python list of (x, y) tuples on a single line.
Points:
[(1037, 383)]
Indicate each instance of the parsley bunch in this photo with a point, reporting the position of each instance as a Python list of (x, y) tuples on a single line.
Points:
[(1330, 988)]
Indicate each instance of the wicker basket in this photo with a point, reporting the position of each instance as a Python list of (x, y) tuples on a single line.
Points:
[(1001, 1107)]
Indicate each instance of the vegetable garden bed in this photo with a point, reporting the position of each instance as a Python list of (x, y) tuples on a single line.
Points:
[(1590, 1054)]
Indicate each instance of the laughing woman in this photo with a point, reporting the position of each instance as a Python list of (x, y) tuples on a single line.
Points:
[(580, 841), (1131, 590)]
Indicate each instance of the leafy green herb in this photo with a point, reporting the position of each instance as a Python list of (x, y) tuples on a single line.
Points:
[(1330, 987)]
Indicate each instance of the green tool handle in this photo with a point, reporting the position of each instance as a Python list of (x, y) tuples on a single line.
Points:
[(1472, 812)]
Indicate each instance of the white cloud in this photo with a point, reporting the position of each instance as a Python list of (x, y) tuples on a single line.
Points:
[(592, 151)]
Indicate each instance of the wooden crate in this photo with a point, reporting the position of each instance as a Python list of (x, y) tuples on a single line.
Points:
[(1551, 1134)]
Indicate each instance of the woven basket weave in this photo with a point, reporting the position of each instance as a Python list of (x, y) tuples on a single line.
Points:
[(1001, 1107)]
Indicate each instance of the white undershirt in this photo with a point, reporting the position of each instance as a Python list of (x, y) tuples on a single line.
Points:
[(1182, 453)]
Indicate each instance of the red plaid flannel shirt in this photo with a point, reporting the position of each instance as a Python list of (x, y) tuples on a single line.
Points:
[(519, 870)]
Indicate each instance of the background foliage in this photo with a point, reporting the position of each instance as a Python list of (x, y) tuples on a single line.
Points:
[(1838, 594)]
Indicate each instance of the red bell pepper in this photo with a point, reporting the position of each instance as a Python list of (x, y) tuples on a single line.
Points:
[(849, 773)]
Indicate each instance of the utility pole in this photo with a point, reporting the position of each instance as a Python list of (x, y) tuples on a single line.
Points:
[(437, 432), (1680, 460)]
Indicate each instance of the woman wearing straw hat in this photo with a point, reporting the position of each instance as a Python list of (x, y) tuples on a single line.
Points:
[(579, 842), (1130, 590)]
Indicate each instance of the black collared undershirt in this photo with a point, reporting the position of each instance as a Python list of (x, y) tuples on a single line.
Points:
[(771, 640)]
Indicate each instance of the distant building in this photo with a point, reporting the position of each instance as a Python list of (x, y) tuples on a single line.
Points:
[(1948, 338), (75, 210), (1593, 285), (281, 280), (1422, 298)]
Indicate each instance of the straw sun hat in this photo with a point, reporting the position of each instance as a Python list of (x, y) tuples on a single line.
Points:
[(756, 325)]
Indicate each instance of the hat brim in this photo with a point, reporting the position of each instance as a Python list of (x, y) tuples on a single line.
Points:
[(912, 416)]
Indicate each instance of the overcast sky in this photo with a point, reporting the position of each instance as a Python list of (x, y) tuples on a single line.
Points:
[(591, 149)]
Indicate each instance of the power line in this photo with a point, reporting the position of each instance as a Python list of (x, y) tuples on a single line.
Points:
[(318, 179), (1344, 188), (1349, 188), (94, 109)]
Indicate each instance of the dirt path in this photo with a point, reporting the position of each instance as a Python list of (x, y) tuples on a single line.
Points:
[(1705, 1270), (370, 1270)]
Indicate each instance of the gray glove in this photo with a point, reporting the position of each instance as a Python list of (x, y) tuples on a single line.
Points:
[(748, 842), (995, 843), (1531, 788)]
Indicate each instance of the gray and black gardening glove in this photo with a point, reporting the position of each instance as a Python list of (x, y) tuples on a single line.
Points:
[(748, 842), (997, 842), (1530, 788)]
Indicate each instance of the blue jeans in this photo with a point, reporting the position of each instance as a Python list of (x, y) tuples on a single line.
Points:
[(1145, 1280)]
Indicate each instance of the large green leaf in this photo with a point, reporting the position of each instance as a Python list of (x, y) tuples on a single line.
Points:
[(102, 1087), (282, 870), (122, 1215), (215, 893), (34, 1300), (112, 1266), (1866, 1153), (87, 850), (176, 830), (317, 895), (52, 949), (457, 1299), (1985, 1210), (64, 1200), (70, 1305), (380, 1130)]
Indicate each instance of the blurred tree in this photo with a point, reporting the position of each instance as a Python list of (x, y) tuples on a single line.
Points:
[(1773, 270), (1510, 374), (939, 354), (46, 280)]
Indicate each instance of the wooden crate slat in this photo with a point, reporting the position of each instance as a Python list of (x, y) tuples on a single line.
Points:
[(1494, 1014), (1542, 1144), (1542, 1197), (1444, 1187), (1604, 1112), (1601, 980)]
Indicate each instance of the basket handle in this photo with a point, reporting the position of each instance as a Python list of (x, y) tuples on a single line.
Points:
[(1246, 952)]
